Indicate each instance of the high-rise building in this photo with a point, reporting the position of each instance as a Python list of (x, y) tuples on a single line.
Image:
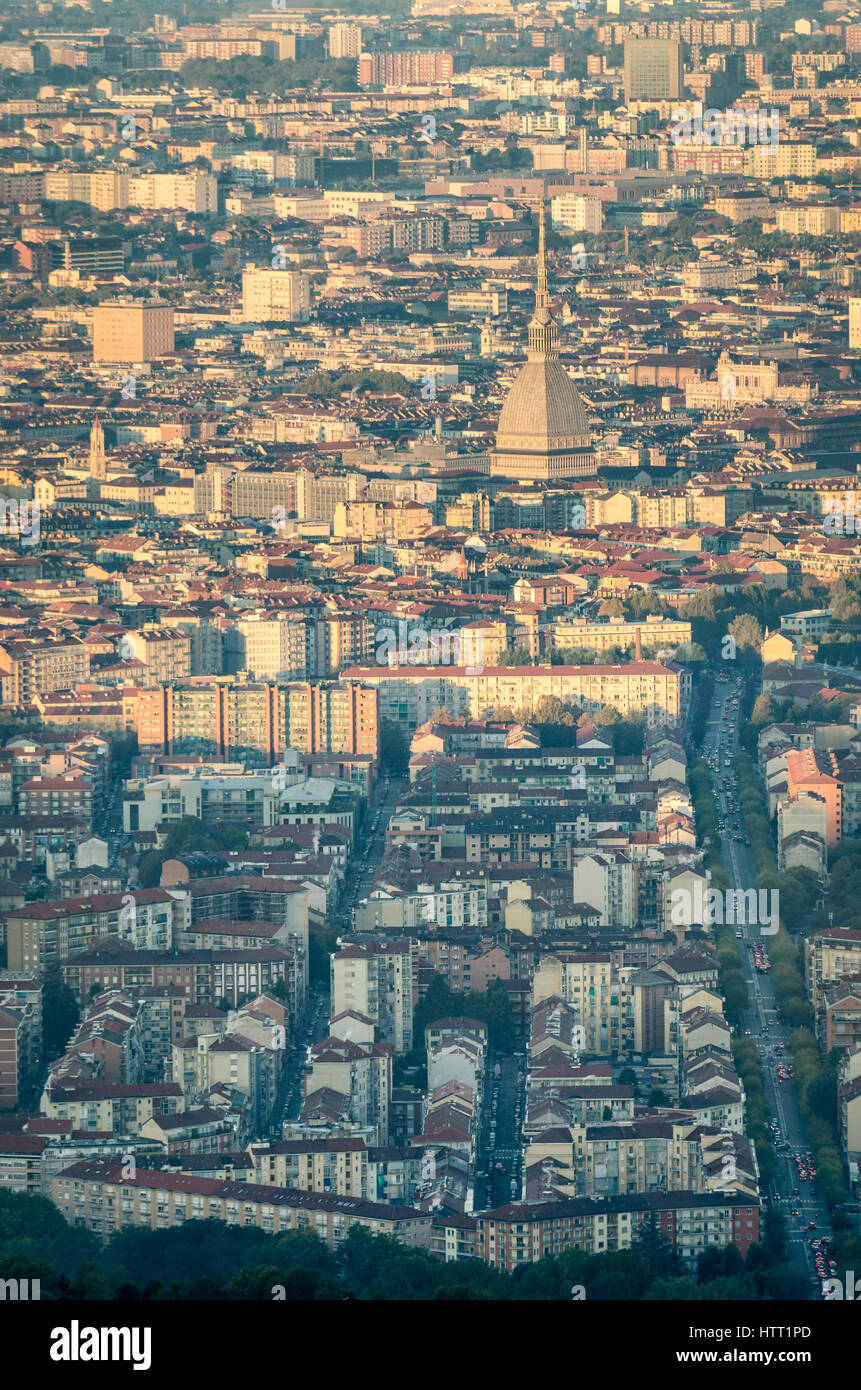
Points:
[(132, 332), (190, 192), (653, 70), (257, 721), (345, 40), (376, 980), (275, 296), (405, 68), (104, 189), (543, 430), (855, 322)]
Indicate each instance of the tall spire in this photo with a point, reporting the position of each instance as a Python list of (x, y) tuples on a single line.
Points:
[(97, 451), (541, 295), (543, 331)]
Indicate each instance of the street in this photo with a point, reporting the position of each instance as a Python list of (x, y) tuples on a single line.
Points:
[(795, 1198), (369, 852), (500, 1156)]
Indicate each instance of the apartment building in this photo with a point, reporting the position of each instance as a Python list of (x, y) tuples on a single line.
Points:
[(20, 1038), (487, 301), (31, 667), (409, 695), (164, 651), (186, 192), (100, 1198), (205, 1060), (68, 795), (407, 67), (275, 296), (608, 1160), (608, 883), (272, 647), (131, 333), (376, 979), (103, 1107), (458, 905), (829, 956), (817, 773), (522, 1233), (323, 1165), (587, 981), (44, 933), (107, 1043), (103, 189), (203, 976), (654, 70), (842, 1015), (655, 631), (576, 213), (259, 722), (345, 40), (249, 799), (360, 1071), (377, 521)]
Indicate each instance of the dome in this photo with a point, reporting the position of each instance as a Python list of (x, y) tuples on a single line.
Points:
[(543, 411)]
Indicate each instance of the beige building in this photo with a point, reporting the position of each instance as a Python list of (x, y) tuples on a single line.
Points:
[(164, 651), (377, 980), (585, 980), (275, 296), (131, 333), (345, 40), (313, 1165), (625, 1157), (186, 192), (409, 695), (104, 189), (828, 957), (601, 636), (653, 70), (99, 1197)]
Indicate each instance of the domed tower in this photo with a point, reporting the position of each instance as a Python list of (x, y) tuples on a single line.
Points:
[(543, 431)]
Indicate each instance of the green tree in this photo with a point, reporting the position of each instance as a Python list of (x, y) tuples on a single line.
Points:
[(747, 632)]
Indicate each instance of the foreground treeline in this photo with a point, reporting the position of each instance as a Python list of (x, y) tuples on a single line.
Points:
[(209, 1260)]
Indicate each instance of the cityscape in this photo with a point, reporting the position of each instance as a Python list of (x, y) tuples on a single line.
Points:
[(430, 656)]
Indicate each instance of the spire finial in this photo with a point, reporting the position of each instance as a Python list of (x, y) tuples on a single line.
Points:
[(543, 333), (542, 255)]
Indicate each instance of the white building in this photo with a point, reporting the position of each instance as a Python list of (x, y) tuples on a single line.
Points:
[(190, 192), (606, 882), (345, 40), (275, 296), (575, 213)]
